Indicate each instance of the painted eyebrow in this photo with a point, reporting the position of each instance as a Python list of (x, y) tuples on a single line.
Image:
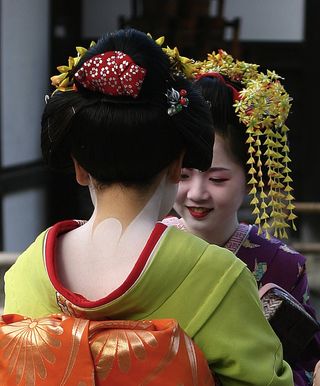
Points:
[(217, 169), (213, 169)]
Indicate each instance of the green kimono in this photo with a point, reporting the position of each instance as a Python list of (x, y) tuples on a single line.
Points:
[(206, 288)]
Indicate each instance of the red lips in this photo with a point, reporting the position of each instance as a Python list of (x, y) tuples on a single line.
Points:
[(198, 212)]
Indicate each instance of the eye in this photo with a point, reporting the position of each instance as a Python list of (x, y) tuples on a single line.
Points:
[(217, 180), (184, 176)]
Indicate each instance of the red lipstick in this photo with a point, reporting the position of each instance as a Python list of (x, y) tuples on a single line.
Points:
[(198, 212)]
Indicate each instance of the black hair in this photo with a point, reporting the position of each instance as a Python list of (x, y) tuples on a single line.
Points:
[(219, 96), (124, 139)]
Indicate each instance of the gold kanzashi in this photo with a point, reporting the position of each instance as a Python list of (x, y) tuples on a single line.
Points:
[(263, 108), (180, 65), (64, 81)]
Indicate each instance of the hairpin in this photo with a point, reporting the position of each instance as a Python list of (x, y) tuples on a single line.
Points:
[(177, 100), (262, 106)]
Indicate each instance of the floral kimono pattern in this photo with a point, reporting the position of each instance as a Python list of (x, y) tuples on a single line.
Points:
[(62, 350)]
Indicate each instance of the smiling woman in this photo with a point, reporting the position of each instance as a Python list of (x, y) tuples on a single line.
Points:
[(208, 202)]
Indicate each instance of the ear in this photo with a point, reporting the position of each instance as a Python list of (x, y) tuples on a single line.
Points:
[(174, 169), (82, 176)]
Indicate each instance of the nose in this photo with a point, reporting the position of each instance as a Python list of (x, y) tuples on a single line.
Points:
[(198, 190)]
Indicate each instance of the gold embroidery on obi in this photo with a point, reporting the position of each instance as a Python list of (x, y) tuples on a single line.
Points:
[(117, 344), (171, 353), (77, 332), (27, 345)]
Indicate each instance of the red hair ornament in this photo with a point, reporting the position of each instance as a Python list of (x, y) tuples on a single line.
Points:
[(235, 92), (112, 73)]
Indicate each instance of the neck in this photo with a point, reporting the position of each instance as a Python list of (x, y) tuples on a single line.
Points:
[(131, 205), (220, 234), (115, 235), (121, 203)]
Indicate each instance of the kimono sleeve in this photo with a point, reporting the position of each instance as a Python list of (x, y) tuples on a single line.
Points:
[(239, 343)]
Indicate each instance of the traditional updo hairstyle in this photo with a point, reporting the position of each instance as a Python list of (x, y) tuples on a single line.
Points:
[(219, 96), (122, 139)]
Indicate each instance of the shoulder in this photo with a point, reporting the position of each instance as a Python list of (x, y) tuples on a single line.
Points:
[(209, 250), (219, 261), (30, 257)]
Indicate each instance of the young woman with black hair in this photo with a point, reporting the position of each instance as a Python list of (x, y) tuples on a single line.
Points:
[(250, 156), (127, 124)]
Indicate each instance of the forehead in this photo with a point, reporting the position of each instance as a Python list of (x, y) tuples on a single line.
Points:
[(222, 154)]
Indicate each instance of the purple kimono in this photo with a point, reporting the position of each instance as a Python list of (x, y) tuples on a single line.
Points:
[(272, 261)]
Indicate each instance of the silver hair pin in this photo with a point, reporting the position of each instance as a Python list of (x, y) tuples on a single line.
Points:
[(177, 100)]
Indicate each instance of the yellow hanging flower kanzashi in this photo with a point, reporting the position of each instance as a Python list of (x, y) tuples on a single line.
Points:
[(263, 108)]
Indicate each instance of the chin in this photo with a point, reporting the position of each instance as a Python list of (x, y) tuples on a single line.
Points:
[(197, 226)]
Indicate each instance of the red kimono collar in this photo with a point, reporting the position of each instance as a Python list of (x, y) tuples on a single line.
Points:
[(77, 299)]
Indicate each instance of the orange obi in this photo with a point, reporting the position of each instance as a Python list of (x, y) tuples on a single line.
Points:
[(63, 350)]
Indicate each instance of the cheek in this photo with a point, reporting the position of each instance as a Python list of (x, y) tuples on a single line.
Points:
[(229, 197), (237, 195), (221, 197), (182, 192), (180, 199)]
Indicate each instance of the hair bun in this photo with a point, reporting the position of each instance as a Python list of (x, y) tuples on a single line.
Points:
[(112, 73)]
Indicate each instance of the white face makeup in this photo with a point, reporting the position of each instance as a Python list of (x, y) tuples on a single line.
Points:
[(208, 201)]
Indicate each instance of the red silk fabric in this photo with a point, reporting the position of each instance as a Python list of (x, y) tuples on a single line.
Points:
[(63, 350), (112, 73)]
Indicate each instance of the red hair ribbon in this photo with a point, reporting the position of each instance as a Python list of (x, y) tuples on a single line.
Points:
[(112, 73), (235, 92)]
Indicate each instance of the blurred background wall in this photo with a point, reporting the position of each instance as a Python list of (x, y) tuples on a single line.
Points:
[(38, 35)]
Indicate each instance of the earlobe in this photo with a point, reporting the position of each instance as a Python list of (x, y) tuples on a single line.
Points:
[(82, 176)]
